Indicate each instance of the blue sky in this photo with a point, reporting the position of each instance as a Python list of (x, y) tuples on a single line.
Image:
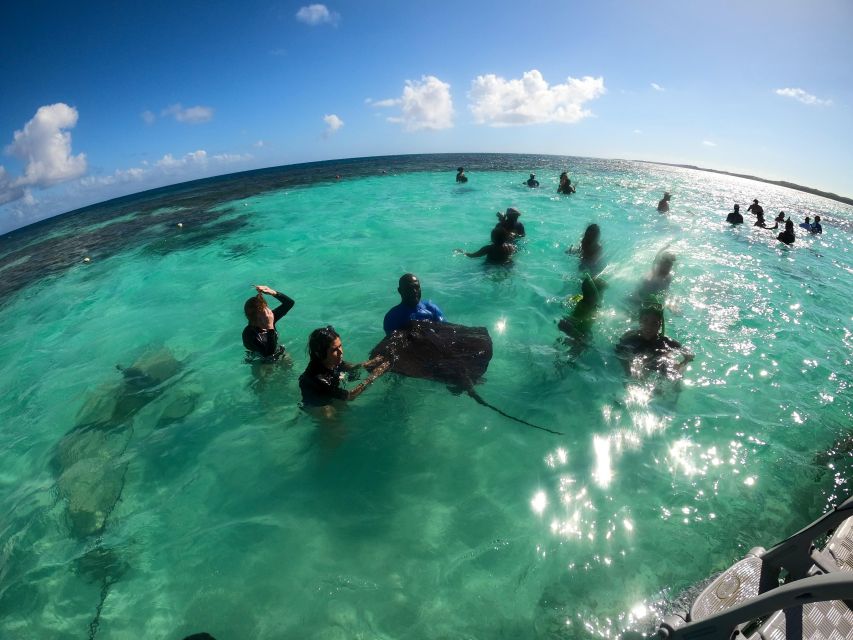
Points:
[(102, 99)]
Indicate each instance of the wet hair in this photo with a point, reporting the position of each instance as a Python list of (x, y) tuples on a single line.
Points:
[(737, 207), (254, 307), (499, 235), (653, 309), (591, 235), (460, 169), (817, 219), (319, 342)]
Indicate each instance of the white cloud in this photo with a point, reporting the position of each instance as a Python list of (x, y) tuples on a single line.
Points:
[(170, 162), (231, 158), (317, 14), (802, 96), (530, 100), (425, 104), (45, 149), (258, 144), (708, 143), (191, 115), (148, 117), (657, 87), (333, 123)]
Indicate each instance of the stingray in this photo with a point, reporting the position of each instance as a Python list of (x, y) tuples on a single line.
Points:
[(452, 354)]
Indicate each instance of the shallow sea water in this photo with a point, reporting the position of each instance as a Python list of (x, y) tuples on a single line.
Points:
[(414, 513)]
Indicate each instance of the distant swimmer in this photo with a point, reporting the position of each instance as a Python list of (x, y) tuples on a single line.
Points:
[(460, 175), (755, 208), (532, 181), (509, 222), (780, 217), (565, 186), (411, 307), (759, 222), (260, 337), (320, 383), (589, 249), (787, 236), (663, 204), (646, 349), (807, 225), (501, 249), (734, 217), (816, 228)]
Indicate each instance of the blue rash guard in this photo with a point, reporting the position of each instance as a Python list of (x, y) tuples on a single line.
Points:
[(401, 316)]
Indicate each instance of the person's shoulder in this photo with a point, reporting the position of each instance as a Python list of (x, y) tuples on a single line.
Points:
[(671, 342)]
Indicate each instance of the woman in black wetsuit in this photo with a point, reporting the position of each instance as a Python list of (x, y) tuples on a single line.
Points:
[(260, 336), (320, 383)]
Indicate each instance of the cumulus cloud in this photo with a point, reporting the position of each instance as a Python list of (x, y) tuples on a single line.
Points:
[(708, 143), (803, 96), (657, 87), (45, 149), (499, 102), (148, 117), (333, 123), (317, 14), (190, 115), (425, 104)]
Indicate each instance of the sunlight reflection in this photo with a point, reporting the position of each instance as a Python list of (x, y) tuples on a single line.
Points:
[(500, 325), (539, 502), (603, 473)]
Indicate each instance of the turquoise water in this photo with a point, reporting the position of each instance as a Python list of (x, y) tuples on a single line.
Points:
[(211, 502)]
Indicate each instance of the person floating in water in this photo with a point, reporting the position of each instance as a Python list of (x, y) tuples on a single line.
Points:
[(759, 222), (787, 236), (532, 181), (807, 225), (663, 204), (816, 228), (501, 249), (780, 217), (565, 186), (578, 324), (647, 350), (756, 209), (460, 175), (410, 307), (657, 283), (320, 383), (509, 222), (735, 217), (260, 336), (589, 249)]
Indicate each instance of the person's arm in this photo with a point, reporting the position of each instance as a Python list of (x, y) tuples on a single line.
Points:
[(357, 391), (437, 313), (286, 302), (686, 355), (479, 253)]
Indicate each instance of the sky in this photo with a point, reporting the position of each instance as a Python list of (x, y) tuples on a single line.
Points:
[(102, 99)]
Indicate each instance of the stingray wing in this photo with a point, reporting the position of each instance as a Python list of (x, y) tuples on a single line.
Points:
[(449, 353)]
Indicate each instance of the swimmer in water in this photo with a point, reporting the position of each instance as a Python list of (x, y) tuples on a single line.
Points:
[(759, 222), (509, 222), (460, 175), (565, 186), (807, 225), (735, 217), (756, 209), (260, 337), (578, 324), (787, 236), (320, 383), (532, 182), (657, 283), (646, 349), (663, 204), (411, 307), (780, 217), (589, 249), (499, 252), (816, 228)]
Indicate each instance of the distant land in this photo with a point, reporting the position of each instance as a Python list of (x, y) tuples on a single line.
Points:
[(781, 183)]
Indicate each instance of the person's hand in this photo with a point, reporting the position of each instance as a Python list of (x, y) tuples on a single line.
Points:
[(264, 289), (373, 363), (382, 368)]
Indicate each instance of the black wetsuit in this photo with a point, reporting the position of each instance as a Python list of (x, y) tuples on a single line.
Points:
[(461, 177), (515, 228), (264, 342), (320, 385), (495, 253), (566, 189), (755, 209), (633, 344), (532, 183), (734, 218)]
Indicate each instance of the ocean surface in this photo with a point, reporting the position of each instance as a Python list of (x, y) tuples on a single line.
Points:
[(189, 492)]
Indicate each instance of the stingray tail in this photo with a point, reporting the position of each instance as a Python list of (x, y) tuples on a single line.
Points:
[(479, 399)]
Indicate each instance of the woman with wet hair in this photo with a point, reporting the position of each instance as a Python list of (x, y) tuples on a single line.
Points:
[(320, 383), (589, 249), (260, 337)]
